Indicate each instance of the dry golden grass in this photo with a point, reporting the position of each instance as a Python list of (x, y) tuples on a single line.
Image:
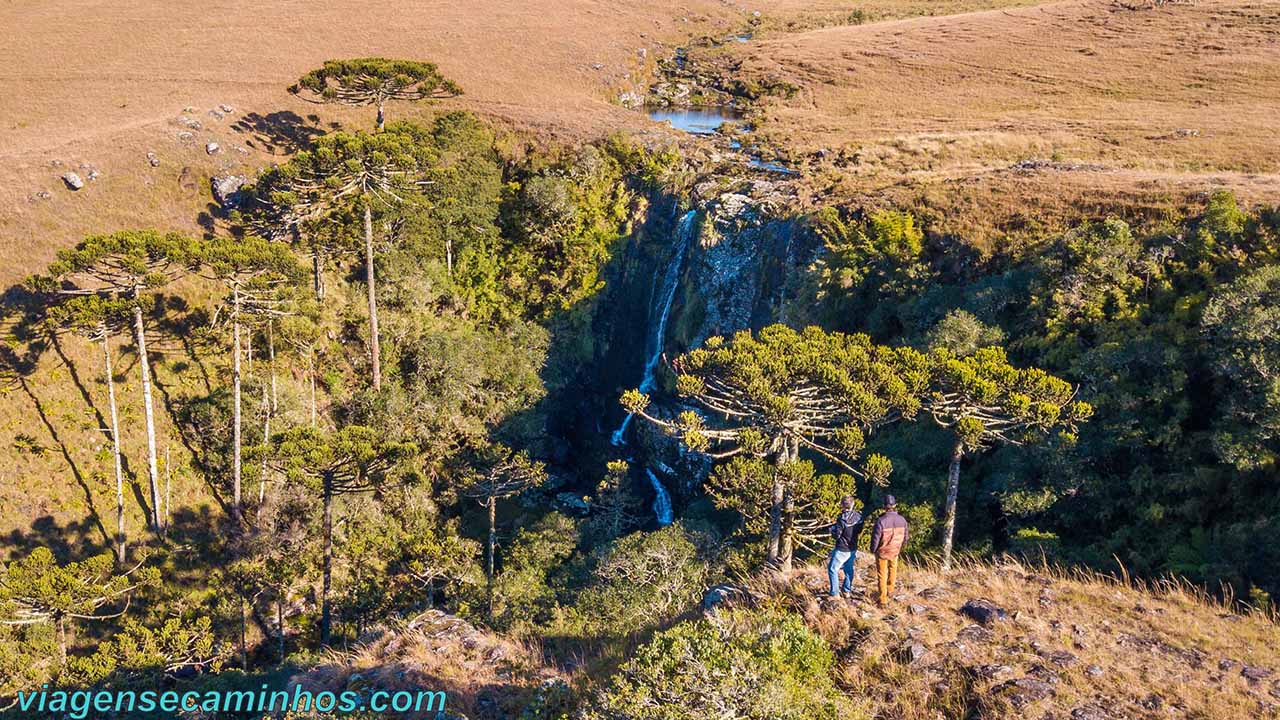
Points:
[(104, 83), (1132, 102), (482, 674), (1135, 651)]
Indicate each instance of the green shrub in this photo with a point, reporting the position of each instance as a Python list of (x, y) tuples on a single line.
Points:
[(745, 665)]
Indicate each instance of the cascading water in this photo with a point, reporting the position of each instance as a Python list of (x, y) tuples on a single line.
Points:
[(663, 297), (661, 501)]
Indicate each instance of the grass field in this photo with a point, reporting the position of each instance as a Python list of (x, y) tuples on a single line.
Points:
[(1123, 103)]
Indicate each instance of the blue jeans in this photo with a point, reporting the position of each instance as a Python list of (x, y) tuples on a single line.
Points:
[(841, 560)]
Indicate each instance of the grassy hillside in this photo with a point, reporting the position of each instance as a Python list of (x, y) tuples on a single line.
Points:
[(1080, 646)]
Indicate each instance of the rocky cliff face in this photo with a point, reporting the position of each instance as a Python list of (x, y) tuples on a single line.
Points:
[(747, 252)]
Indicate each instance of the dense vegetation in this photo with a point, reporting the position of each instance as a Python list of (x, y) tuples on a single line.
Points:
[(386, 331)]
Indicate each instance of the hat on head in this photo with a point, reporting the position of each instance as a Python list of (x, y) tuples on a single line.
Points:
[(890, 501)]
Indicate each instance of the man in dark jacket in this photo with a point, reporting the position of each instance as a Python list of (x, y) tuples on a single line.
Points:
[(887, 539), (844, 556)]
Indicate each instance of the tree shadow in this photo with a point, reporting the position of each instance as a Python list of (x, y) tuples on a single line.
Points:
[(71, 542), (66, 456), (283, 132)]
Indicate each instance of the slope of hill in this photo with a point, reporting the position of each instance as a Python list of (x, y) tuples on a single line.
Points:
[(1078, 646), (95, 86), (1046, 110)]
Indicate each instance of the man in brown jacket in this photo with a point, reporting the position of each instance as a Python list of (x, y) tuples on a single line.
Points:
[(887, 539)]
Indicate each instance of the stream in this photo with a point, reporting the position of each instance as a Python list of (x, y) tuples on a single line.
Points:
[(664, 295)]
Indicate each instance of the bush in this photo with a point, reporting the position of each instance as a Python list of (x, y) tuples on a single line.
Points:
[(645, 579), (740, 664), (526, 591)]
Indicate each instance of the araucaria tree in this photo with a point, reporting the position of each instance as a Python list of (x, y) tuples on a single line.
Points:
[(355, 459), (984, 400), (350, 175), (506, 474), (253, 271), (374, 81), (131, 265), (99, 318), (782, 391), (36, 589)]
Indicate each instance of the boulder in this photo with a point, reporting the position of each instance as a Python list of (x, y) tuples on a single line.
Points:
[(984, 611), (212, 148), (912, 652), (227, 190), (72, 180), (1255, 674), (718, 595), (153, 160), (572, 504), (1024, 691)]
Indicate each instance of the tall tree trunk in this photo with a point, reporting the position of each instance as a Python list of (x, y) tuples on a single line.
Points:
[(235, 405), (493, 544), (953, 490), (62, 640), (115, 449), (144, 367), (317, 273), (266, 435), (244, 644), (448, 253), (326, 612), (168, 488), (271, 364), (373, 297), (788, 531), (311, 380), (280, 622), (774, 555), (382, 118)]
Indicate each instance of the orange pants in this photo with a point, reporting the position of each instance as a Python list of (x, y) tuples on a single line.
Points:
[(887, 575)]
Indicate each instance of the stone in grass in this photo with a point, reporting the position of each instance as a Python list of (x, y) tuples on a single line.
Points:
[(212, 148), (1024, 691), (227, 190), (72, 180), (984, 611), (153, 160)]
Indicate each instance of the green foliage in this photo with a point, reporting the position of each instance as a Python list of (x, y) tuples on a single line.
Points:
[(963, 334), (1242, 321), (740, 664), (529, 587), (373, 81), (643, 580), (353, 459), (139, 654), (37, 589)]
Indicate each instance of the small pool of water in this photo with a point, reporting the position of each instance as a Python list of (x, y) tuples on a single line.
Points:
[(698, 121)]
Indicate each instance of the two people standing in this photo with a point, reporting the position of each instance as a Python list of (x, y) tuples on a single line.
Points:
[(888, 537)]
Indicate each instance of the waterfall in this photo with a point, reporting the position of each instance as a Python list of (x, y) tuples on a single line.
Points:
[(661, 500), (664, 295)]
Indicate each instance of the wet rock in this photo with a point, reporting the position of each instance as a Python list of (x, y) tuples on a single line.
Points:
[(227, 190), (212, 148), (572, 504), (72, 180), (1024, 691), (153, 160), (984, 611)]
